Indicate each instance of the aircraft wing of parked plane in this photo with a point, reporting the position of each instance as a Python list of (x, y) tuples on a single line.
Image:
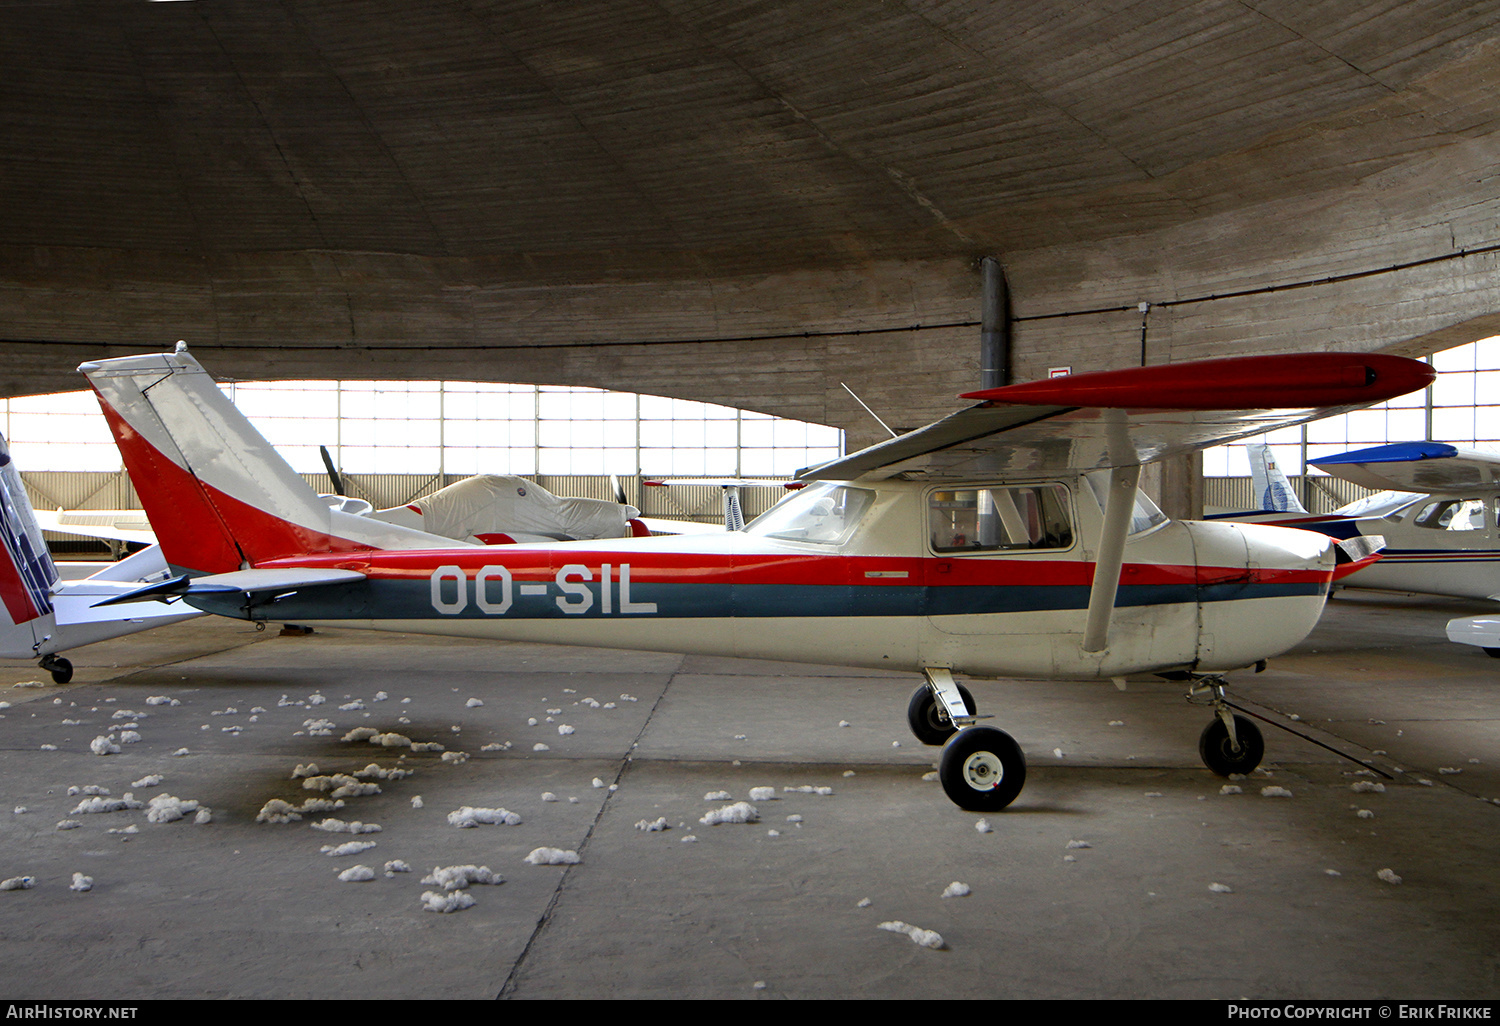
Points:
[(1437, 516), (1009, 539)]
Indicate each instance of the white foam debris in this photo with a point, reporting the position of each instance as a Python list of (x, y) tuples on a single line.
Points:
[(1117, 723), (1332, 872), (564, 729), (1275, 791), (763, 794), (347, 848), (597, 782), (926, 938), (104, 745), (202, 816), (1474, 762), (1367, 787), (739, 812), (390, 739), (983, 827), (416, 801), (1389, 876), (29, 684), (456, 728), (126, 714), (1152, 794), (1219, 888), (474, 703), (956, 890), (18, 883), (456, 758), (848, 773), (1057, 753), (396, 865), (539, 747), (1078, 844), (277, 811), (653, 826), (68, 824), (87, 789), (71, 723), (690, 839), (629, 698), (181, 752), (496, 746), (930, 776), (357, 874), (712, 796), (468, 816), (130, 737), (590, 702), (1365, 814), (319, 727), (49, 748), (150, 780), (552, 857), (809, 789), (895, 744), (794, 818), (455, 901), (360, 734), (863, 903), (609, 705), (773, 833), (1449, 771), (101, 804), (19, 810), (1231, 789), (531, 721), (376, 772), (353, 706), (332, 825), (1424, 782), (457, 878), (161, 700), (81, 883), (843, 723), (315, 699), (166, 808)]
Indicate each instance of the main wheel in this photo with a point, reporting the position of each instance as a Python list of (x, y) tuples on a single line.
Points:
[(1219, 755), (983, 769), (929, 724)]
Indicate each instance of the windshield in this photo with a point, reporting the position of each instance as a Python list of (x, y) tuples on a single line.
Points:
[(825, 514)]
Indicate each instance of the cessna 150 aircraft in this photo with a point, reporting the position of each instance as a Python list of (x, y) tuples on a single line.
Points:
[(1008, 539)]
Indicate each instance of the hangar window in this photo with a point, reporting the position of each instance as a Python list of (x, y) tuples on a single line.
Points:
[(993, 519)]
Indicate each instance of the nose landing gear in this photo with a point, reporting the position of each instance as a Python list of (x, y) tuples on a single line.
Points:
[(1230, 743)]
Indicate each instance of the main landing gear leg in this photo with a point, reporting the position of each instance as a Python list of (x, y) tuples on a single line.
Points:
[(982, 769), (1230, 743)]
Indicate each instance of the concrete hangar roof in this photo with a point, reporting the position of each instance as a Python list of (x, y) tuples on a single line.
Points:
[(743, 201)]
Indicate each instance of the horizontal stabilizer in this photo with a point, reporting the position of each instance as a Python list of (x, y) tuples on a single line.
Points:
[(244, 582), (1431, 467)]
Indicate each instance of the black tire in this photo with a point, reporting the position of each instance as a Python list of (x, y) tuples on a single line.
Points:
[(983, 769), (60, 668), (1493, 653), (927, 724), (1219, 755)]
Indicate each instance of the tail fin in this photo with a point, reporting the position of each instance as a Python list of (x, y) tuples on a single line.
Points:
[(1270, 485), (27, 572), (218, 496)]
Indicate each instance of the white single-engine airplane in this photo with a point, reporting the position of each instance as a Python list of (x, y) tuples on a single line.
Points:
[(984, 543), (1437, 511), (42, 615)]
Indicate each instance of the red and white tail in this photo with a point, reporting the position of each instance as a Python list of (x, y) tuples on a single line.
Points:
[(27, 573), (218, 496)]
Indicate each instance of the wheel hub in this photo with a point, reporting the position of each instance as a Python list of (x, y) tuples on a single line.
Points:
[(982, 771)]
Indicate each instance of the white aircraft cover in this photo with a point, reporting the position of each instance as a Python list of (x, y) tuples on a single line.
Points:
[(499, 504)]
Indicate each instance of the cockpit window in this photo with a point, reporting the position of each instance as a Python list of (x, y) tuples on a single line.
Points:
[(1452, 515), (990, 519), (1146, 514), (825, 514)]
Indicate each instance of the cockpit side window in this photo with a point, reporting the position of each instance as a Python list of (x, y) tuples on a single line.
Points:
[(823, 514), (996, 518), (1452, 515)]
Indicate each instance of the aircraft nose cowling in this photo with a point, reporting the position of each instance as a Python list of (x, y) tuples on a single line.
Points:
[(1261, 590)]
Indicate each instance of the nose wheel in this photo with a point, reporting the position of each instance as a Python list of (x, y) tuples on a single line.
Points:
[(60, 668), (1230, 743), (983, 769)]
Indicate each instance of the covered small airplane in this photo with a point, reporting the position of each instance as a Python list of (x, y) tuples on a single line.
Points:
[(42, 615), (1008, 539), (1436, 510)]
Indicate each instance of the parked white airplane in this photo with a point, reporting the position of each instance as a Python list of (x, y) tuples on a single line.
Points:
[(41, 615), (1438, 514), (1008, 539)]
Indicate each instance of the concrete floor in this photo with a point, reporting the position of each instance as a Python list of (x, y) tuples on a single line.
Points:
[(237, 908)]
